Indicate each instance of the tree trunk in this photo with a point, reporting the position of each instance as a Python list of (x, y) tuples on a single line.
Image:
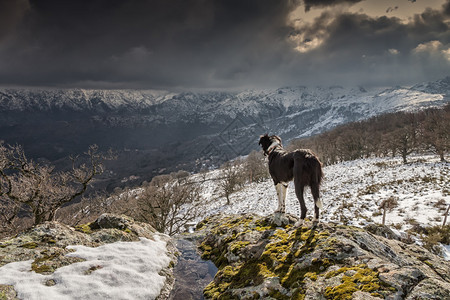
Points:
[(384, 216), (441, 155), (445, 216), (404, 155)]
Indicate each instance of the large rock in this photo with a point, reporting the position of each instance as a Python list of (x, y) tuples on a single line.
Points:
[(46, 245), (263, 258)]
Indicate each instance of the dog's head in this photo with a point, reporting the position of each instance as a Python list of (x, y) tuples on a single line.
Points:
[(266, 141)]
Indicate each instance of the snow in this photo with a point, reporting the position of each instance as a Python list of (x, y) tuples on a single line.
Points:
[(122, 270), (352, 192), (446, 250)]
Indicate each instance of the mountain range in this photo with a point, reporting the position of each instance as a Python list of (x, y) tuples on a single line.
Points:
[(160, 131)]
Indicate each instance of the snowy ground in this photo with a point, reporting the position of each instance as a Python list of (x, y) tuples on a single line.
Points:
[(122, 270), (352, 192)]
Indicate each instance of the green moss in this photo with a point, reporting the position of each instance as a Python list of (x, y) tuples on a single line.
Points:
[(251, 273), (41, 268), (217, 288), (298, 294), (202, 224), (85, 228), (206, 250), (343, 291), (278, 295), (296, 274), (29, 245), (237, 246), (362, 278), (311, 275)]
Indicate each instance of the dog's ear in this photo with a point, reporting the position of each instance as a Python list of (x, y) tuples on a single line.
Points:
[(261, 137)]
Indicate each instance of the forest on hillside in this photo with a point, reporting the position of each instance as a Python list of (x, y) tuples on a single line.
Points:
[(393, 134)]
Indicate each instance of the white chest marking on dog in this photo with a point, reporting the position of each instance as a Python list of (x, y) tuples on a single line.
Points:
[(272, 146)]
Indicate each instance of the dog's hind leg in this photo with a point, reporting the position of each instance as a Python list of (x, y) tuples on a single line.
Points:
[(281, 193), (317, 202), (299, 188)]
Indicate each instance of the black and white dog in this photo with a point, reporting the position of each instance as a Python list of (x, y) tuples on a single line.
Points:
[(301, 165)]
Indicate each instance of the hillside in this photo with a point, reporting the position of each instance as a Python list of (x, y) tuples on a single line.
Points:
[(257, 253), (352, 191), (160, 131)]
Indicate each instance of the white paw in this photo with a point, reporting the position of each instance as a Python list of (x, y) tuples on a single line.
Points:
[(281, 210), (299, 223)]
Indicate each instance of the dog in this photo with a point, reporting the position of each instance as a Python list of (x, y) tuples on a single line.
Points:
[(300, 165)]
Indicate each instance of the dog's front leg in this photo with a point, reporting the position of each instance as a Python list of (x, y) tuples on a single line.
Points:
[(281, 193)]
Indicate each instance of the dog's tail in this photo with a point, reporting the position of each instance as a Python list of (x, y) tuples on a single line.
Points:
[(312, 168), (316, 180)]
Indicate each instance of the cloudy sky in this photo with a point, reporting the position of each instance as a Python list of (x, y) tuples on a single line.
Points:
[(212, 44)]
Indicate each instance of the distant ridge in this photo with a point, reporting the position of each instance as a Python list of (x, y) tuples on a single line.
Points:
[(173, 130)]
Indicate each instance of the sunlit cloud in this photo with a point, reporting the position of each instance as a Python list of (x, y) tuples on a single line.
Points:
[(394, 51)]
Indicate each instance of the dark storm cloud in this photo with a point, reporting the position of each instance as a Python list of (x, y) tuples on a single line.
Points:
[(323, 3), (163, 42), (447, 8), (11, 14), (213, 44)]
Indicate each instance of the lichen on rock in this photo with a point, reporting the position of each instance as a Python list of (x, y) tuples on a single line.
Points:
[(46, 246), (262, 258)]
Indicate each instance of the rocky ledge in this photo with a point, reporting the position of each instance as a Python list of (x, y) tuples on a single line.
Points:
[(269, 258), (46, 245)]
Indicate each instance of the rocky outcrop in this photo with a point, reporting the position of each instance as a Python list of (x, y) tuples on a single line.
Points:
[(269, 258), (46, 245)]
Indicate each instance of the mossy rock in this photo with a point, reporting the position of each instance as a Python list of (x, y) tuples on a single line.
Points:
[(325, 261), (7, 292)]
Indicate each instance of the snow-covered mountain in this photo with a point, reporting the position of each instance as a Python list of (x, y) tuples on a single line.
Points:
[(295, 111), (172, 130)]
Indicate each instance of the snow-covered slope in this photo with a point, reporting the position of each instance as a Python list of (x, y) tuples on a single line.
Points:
[(352, 192)]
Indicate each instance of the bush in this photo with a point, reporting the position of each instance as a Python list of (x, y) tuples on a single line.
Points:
[(169, 203), (32, 193), (433, 235)]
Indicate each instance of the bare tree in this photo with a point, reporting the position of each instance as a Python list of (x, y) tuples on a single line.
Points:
[(39, 191), (169, 203), (446, 215), (232, 178), (436, 131), (256, 167), (388, 205)]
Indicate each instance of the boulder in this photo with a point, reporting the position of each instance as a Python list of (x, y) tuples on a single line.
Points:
[(263, 258), (46, 245)]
